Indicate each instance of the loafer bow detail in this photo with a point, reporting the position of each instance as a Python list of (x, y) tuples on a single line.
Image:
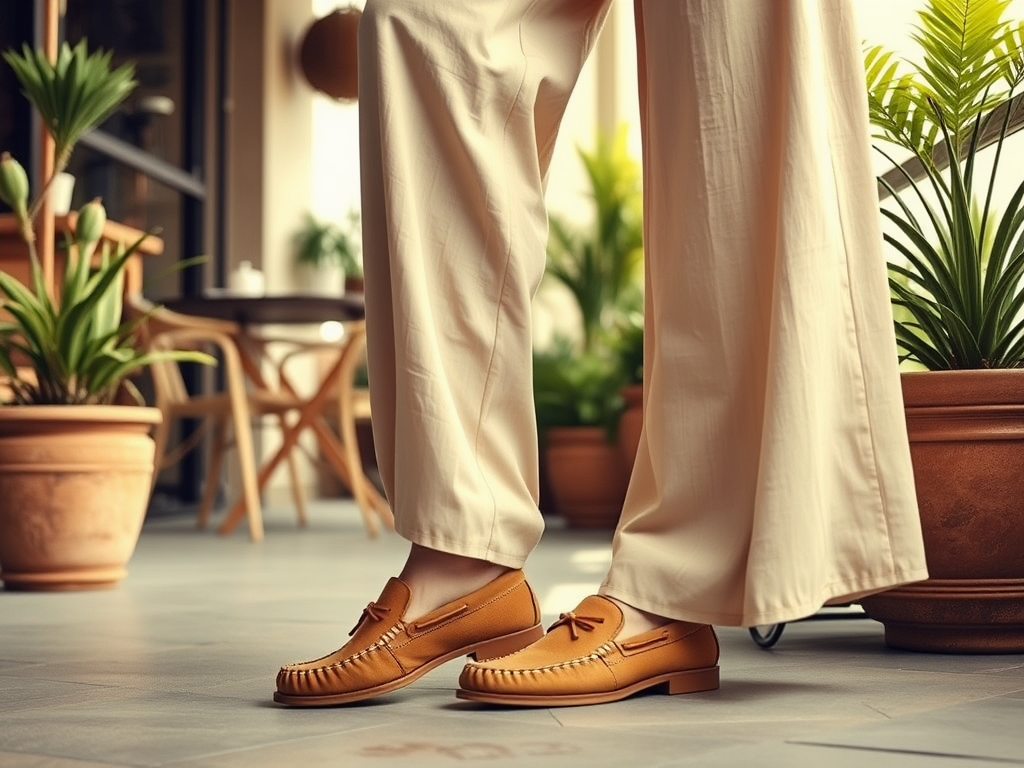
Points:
[(387, 651), (372, 612), (574, 622), (581, 660)]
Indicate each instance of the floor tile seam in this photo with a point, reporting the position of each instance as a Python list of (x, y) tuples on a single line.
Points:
[(256, 748), (137, 681), (128, 693), (1011, 668), (693, 730), (87, 686), (826, 724), (989, 697), (832, 663), (71, 761), (810, 742)]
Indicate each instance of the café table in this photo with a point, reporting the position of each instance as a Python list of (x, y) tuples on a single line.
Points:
[(252, 313), (271, 309)]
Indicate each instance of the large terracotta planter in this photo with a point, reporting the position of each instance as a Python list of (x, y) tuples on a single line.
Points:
[(586, 476), (967, 443), (74, 485)]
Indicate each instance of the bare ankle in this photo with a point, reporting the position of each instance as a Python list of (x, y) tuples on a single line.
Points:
[(435, 577), (636, 621)]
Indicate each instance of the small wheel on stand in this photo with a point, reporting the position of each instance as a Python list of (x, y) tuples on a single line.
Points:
[(767, 635)]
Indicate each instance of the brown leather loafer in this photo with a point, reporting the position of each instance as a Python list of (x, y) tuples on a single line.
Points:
[(387, 651), (581, 661)]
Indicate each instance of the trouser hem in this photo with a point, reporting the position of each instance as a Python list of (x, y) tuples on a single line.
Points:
[(840, 592), (464, 548)]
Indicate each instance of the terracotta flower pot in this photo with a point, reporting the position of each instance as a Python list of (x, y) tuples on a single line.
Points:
[(967, 444), (74, 485), (586, 476)]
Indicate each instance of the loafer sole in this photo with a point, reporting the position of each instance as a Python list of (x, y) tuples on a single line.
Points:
[(487, 649), (689, 681)]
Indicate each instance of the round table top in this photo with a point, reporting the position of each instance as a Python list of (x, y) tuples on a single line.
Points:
[(271, 309)]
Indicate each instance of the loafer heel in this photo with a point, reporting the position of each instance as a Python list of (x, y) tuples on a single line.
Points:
[(503, 646), (694, 681)]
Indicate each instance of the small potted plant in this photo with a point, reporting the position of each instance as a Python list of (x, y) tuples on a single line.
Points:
[(327, 256), (579, 404), (76, 464)]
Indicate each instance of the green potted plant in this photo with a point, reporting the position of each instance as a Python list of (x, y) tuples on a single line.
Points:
[(76, 463), (327, 255), (574, 388), (956, 263), (578, 384), (579, 404)]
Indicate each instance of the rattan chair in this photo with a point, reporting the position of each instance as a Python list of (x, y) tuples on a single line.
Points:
[(228, 412)]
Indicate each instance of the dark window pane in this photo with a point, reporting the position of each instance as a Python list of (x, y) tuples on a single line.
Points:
[(15, 112), (150, 34)]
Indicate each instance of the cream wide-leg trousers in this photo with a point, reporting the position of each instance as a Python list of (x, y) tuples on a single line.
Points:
[(773, 473)]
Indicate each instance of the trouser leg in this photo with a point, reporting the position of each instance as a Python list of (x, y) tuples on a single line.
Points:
[(460, 103), (773, 473)]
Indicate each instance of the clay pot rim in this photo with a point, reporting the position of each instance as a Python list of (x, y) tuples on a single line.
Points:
[(578, 433), (120, 414), (988, 386)]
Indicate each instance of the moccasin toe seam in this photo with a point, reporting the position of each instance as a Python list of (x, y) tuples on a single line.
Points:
[(380, 665)]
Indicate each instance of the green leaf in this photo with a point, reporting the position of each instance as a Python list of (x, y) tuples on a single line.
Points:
[(955, 271), (73, 94), (601, 262)]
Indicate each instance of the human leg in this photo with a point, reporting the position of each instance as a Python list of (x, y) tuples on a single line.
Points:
[(773, 472), (459, 106)]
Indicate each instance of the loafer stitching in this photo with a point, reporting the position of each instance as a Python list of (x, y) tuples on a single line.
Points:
[(385, 640), (381, 642), (629, 646), (668, 640), (423, 625), (388, 637), (598, 654)]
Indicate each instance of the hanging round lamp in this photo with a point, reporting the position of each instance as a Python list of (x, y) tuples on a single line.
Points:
[(327, 54)]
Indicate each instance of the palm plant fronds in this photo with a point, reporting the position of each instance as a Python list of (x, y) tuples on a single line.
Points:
[(73, 341), (80, 350), (600, 264), (72, 94), (957, 255)]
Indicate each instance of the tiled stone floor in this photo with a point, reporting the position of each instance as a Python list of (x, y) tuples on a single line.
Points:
[(175, 666)]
